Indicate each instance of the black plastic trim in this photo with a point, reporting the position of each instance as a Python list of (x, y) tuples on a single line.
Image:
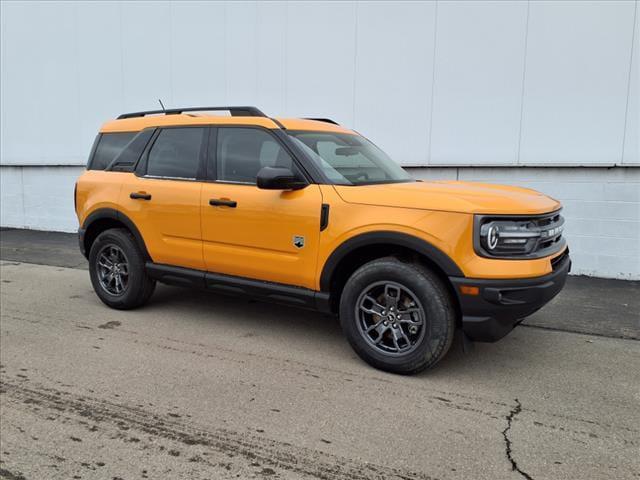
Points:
[(245, 111), (141, 167), (182, 277), (503, 303), (325, 120), (233, 285), (447, 265), (324, 216), (83, 248), (278, 123), (110, 213)]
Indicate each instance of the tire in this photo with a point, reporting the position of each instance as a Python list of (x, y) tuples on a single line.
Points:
[(117, 247), (426, 325)]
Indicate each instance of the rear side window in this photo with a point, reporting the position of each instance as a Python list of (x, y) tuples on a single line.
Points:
[(127, 159), (242, 152), (176, 153), (109, 147)]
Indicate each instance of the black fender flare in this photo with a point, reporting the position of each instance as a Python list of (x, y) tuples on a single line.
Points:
[(113, 214), (434, 254)]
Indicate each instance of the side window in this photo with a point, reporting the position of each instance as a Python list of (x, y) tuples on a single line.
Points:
[(176, 153), (242, 152), (109, 147)]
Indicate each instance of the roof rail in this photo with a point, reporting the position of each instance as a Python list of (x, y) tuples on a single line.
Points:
[(234, 111), (326, 120)]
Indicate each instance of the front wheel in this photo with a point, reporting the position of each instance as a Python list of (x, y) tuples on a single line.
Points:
[(397, 316), (116, 267)]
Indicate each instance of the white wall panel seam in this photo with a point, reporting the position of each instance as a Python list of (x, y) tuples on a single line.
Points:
[(355, 63), (76, 52), (626, 111), (524, 76), (170, 55), (256, 23), (121, 41), (226, 56), (433, 83), (286, 59)]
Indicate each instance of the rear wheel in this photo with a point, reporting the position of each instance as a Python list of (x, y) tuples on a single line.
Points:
[(397, 316), (116, 267)]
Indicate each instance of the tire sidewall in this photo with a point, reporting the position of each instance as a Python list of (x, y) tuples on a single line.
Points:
[(137, 273), (439, 318)]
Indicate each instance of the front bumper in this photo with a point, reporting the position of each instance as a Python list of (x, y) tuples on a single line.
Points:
[(500, 305)]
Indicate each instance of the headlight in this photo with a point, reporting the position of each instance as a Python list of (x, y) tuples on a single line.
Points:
[(518, 237)]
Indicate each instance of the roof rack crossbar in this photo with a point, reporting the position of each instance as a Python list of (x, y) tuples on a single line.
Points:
[(234, 111), (326, 120)]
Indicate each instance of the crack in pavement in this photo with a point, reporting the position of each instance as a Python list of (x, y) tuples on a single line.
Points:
[(508, 444)]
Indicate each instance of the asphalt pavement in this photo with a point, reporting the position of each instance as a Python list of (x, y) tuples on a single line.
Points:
[(196, 385)]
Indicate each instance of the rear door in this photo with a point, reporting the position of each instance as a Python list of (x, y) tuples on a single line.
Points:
[(163, 197), (270, 235)]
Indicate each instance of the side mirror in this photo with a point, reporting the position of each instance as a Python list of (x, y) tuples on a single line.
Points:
[(278, 178)]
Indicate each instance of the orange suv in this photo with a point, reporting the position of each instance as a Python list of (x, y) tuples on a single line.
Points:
[(312, 214)]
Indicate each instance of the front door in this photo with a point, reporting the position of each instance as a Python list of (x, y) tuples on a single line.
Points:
[(164, 201), (269, 235)]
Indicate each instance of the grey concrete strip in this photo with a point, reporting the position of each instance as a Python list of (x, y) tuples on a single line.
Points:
[(587, 305), (203, 386), (44, 248), (594, 306)]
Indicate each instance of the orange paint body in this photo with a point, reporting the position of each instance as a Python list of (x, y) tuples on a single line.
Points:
[(254, 240)]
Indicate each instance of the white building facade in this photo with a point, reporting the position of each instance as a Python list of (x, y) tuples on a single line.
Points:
[(542, 94)]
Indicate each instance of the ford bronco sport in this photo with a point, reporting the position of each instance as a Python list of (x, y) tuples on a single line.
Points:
[(309, 213)]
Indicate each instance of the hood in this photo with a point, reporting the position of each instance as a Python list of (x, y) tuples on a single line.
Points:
[(463, 197)]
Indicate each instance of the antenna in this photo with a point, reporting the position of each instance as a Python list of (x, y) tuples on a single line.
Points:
[(162, 105)]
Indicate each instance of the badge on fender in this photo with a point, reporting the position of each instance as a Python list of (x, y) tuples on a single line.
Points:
[(298, 241)]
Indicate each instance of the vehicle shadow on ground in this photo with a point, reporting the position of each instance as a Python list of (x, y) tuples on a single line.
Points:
[(515, 351)]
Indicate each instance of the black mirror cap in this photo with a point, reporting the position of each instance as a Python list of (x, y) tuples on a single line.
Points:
[(279, 178)]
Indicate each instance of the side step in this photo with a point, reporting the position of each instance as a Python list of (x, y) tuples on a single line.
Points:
[(238, 286)]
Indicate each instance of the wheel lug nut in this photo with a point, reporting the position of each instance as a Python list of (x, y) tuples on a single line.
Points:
[(395, 325), (385, 323)]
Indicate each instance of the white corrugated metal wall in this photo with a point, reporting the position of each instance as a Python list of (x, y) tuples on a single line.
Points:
[(538, 93)]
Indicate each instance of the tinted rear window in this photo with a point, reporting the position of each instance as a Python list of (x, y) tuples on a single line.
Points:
[(128, 158), (108, 147), (176, 153)]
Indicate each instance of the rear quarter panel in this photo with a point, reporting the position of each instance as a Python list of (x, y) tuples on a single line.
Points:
[(96, 189)]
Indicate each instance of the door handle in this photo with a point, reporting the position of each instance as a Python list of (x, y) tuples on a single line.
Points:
[(220, 202), (140, 196)]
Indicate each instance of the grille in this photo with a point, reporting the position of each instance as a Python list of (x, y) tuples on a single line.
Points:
[(551, 229)]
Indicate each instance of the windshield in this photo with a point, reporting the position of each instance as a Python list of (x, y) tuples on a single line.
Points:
[(349, 159)]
